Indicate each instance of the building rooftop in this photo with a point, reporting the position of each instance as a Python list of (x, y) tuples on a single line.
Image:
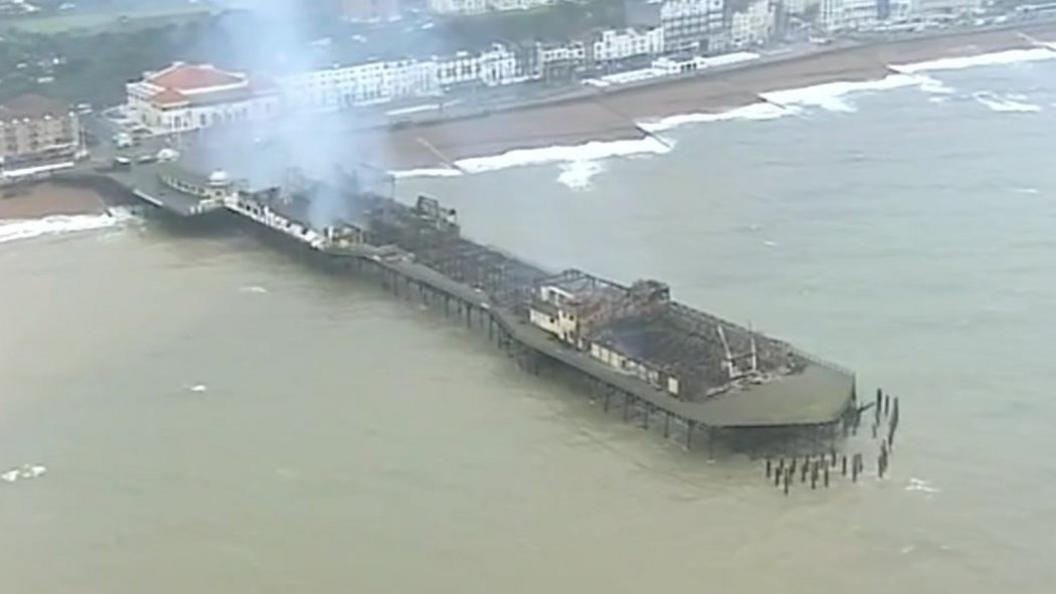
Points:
[(169, 97), (32, 106), (189, 77)]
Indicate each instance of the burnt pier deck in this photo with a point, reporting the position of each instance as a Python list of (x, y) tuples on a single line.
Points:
[(633, 346)]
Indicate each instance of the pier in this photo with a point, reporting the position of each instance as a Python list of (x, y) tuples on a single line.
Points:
[(659, 362)]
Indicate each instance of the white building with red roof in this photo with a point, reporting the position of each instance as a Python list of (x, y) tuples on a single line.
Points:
[(185, 97)]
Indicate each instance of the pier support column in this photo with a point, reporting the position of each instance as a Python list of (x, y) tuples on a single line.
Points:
[(690, 425), (667, 424)]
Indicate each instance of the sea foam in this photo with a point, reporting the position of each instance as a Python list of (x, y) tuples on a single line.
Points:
[(17, 229), (992, 59), (754, 111), (577, 175), (1004, 102), (426, 172), (589, 151), (24, 472), (831, 96)]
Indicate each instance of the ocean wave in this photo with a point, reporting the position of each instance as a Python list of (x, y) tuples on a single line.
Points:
[(830, 96), (426, 172), (992, 59), (19, 229), (1005, 102), (590, 151), (934, 85), (916, 484), (253, 289), (577, 175), (24, 472), (754, 111)]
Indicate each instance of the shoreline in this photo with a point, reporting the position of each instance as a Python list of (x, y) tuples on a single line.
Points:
[(606, 123), (627, 114)]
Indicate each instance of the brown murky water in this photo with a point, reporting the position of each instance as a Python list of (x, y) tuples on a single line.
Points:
[(211, 415)]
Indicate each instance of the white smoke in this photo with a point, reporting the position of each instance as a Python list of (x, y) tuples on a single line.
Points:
[(278, 41)]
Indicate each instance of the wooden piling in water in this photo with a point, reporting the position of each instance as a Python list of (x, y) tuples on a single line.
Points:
[(843, 470), (768, 468)]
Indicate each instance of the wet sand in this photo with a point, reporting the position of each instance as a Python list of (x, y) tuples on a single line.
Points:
[(37, 200)]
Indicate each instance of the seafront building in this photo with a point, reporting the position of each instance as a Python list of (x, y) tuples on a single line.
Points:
[(360, 11), (754, 25), (615, 45), (36, 129), (559, 60), (696, 26), (838, 16), (471, 7), (332, 89), (944, 8), (186, 97), (495, 66)]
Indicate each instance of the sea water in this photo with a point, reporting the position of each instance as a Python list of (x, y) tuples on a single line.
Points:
[(214, 416)]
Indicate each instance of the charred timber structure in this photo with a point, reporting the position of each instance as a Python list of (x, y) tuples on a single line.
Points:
[(634, 346)]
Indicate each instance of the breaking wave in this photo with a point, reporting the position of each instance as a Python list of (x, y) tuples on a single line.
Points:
[(19, 229), (24, 472), (577, 174), (992, 59), (1005, 102), (755, 111), (590, 151), (916, 484), (426, 172), (830, 96)]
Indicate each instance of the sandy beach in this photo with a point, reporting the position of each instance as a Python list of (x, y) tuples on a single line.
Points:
[(48, 198)]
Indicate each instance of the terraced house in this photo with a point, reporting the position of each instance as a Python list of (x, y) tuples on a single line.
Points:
[(37, 129)]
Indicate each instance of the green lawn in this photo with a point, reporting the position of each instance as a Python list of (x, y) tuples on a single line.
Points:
[(97, 22)]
